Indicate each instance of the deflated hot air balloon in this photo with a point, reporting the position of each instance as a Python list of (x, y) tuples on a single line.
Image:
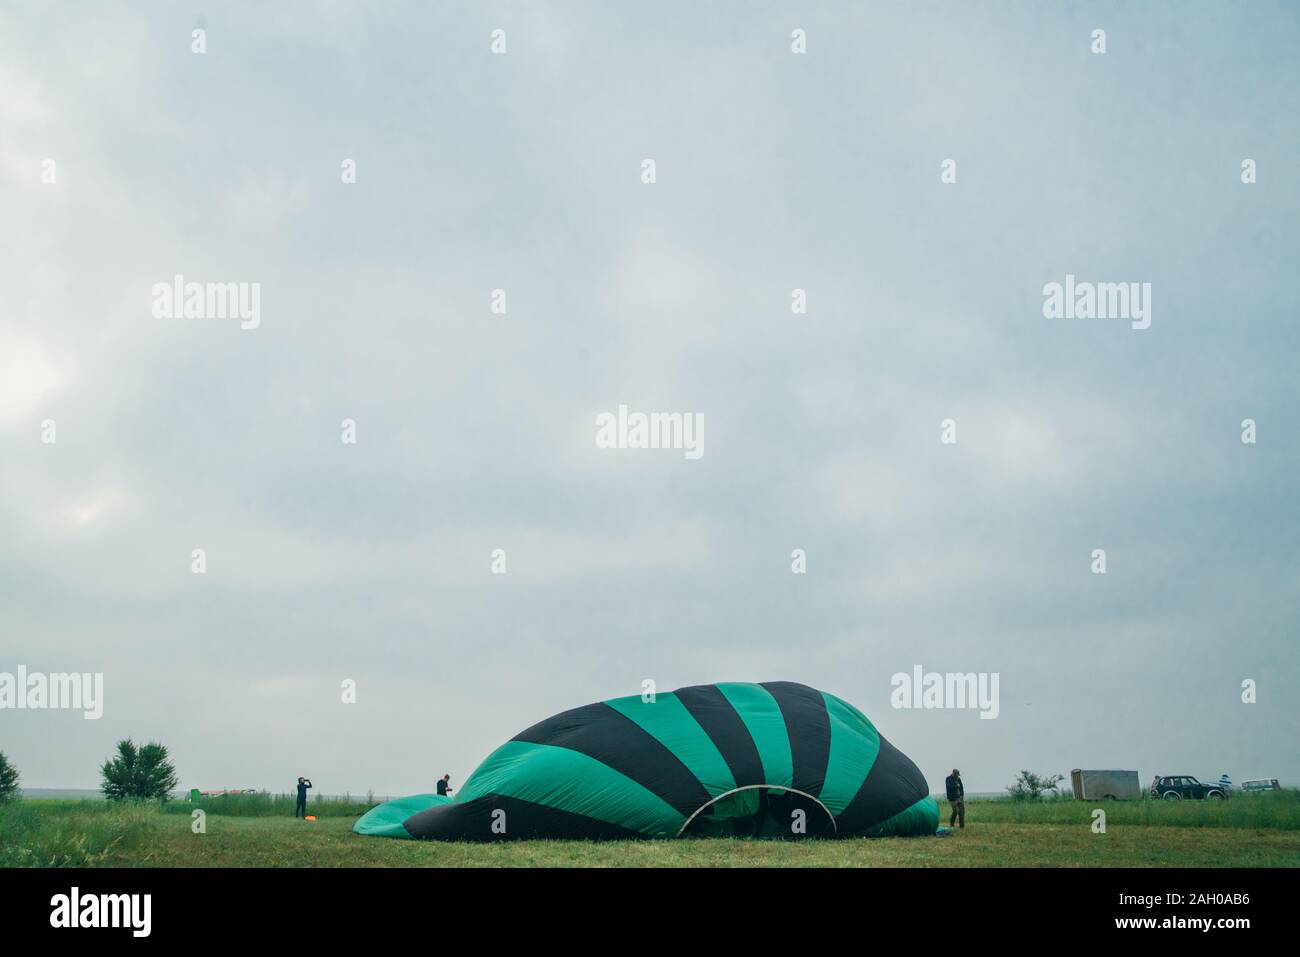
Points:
[(774, 759)]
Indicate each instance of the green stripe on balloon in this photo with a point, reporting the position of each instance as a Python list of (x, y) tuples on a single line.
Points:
[(667, 720), (854, 745), (766, 725), (571, 781)]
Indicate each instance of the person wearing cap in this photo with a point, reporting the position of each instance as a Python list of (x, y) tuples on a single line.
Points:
[(956, 797)]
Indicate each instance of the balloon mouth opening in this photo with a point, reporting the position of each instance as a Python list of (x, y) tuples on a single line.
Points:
[(761, 810)]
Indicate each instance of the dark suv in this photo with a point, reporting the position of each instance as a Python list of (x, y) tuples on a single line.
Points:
[(1175, 787)]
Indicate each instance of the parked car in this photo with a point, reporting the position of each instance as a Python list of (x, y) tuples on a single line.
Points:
[(1175, 787), (1261, 784)]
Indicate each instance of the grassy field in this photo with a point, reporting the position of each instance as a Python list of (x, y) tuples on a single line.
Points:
[(258, 831)]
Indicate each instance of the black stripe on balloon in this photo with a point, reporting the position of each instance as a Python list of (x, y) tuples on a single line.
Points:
[(893, 784), (476, 820), (614, 739), (716, 715), (809, 728)]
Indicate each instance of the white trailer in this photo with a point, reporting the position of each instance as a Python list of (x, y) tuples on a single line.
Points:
[(1103, 785)]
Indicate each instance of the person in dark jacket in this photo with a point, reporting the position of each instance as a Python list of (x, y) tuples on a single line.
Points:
[(956, 797), (300, 808), (444, 785)]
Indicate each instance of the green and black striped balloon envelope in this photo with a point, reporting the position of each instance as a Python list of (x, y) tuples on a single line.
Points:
[(773, 759)]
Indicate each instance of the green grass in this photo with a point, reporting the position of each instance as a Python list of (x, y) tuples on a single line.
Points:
[(1275, 809), (1260, 831), (73, 833)]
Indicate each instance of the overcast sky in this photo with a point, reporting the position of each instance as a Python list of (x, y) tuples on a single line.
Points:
[(475, 431)]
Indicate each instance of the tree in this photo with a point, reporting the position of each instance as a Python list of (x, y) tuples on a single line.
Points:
[(8, 779), (138, 773), (1030, 786)]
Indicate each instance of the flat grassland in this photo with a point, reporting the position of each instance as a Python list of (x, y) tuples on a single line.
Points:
[(258, 831)]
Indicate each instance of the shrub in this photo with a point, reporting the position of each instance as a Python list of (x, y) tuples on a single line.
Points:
[(1029, 786), (141, 774), (8, 780)]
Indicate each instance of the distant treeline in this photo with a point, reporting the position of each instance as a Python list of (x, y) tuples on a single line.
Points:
[(94, 794), (266, 804)]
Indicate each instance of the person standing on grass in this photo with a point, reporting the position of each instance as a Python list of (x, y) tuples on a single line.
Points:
[(444, 785), (300, 809), (956, 797)]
